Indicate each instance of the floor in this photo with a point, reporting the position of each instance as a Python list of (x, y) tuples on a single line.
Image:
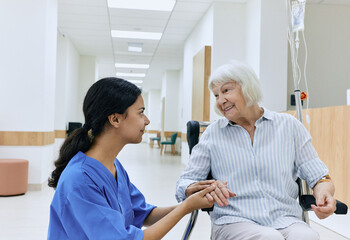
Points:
[(26, 217)]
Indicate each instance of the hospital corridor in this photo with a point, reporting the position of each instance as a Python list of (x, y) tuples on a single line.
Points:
[(98, 94)]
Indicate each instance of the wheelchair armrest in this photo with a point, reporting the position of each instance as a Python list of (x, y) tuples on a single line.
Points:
[(208, 209), (307, 200)]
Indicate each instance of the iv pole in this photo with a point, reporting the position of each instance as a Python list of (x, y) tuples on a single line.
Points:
[(304, 189)]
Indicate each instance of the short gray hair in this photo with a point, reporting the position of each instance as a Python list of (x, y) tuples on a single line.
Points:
[(241, 73)]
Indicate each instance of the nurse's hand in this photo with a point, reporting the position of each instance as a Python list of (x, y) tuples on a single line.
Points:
[(198, 186), (220, 194), (199, 200)]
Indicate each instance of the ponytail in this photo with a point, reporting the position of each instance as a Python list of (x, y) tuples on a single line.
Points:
[(78, 140)]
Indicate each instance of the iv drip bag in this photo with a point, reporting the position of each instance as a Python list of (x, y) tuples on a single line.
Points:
[(298, 13)]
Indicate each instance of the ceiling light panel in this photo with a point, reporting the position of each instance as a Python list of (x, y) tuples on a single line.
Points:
[(122, 45), (134, 47), (135, 81), (128, 65), (121, 74), (136, 35), (133, 59), (154, 5)]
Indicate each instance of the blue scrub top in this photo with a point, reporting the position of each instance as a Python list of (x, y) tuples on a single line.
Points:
[(90, 204)]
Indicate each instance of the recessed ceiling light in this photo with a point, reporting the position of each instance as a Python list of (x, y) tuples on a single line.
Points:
[(155, 5), (127, 65), (136, 35), (134, 47), (135, 81), (120, 74)]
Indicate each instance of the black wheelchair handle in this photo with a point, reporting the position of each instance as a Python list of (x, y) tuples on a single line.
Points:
[(307, 200)]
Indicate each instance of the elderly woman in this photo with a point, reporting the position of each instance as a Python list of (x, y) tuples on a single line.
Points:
[(260, 153)]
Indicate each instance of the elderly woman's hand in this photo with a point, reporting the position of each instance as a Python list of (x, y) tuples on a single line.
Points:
[(326, 203), (221, 193)]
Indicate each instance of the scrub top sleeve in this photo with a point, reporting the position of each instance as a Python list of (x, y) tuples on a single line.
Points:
[(140, 207), (88, 214)]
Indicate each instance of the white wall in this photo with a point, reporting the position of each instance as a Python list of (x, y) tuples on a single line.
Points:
[(28, 78), (228, 42), (171, 83), (50, 43), (180, 103), (87, 77), (170, 92), (274, 54), (252, 40), (72, 79), (327, 34), (200, 37), (67, 101), (154, 109), (60, 102)]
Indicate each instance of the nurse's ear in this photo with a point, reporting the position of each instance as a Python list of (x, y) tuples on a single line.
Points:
[(115, 119)]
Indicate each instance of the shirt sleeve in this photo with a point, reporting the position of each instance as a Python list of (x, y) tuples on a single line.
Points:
[(308, 165), (140, 207), (87, 215), (198, 166)]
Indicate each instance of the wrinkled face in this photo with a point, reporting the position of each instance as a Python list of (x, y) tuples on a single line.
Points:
[(135, 122), (229, 100)]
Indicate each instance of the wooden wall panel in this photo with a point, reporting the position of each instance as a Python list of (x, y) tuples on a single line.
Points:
[(152, 131), (26, 138), (200, 90), (168, 134), (60, 133), (330, 131)]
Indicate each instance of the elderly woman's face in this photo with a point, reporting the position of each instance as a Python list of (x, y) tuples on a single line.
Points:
[(229, 100)]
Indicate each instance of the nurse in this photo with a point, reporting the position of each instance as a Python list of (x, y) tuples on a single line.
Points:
[(94, 198)]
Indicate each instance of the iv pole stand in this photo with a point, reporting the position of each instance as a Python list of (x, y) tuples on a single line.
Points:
[(304, 189)]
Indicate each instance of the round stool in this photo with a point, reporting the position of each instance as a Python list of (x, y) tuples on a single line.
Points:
[(13, 176)]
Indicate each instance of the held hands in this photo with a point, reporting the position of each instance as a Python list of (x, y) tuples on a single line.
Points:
[(199, 200), (219, 194)]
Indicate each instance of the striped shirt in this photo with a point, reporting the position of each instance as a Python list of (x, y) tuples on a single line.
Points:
[(263, 174)]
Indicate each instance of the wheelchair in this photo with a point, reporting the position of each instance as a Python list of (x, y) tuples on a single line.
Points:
[(305, 198)]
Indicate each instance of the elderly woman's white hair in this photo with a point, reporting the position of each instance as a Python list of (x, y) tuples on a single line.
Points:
[(238, 72)]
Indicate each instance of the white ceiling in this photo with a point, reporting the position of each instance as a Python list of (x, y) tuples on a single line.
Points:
[(88, 24)]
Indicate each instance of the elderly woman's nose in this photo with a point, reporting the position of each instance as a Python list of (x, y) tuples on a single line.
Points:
[(220, 99)]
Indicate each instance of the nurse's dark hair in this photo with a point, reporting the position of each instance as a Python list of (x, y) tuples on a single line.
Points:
[(105, 97)]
